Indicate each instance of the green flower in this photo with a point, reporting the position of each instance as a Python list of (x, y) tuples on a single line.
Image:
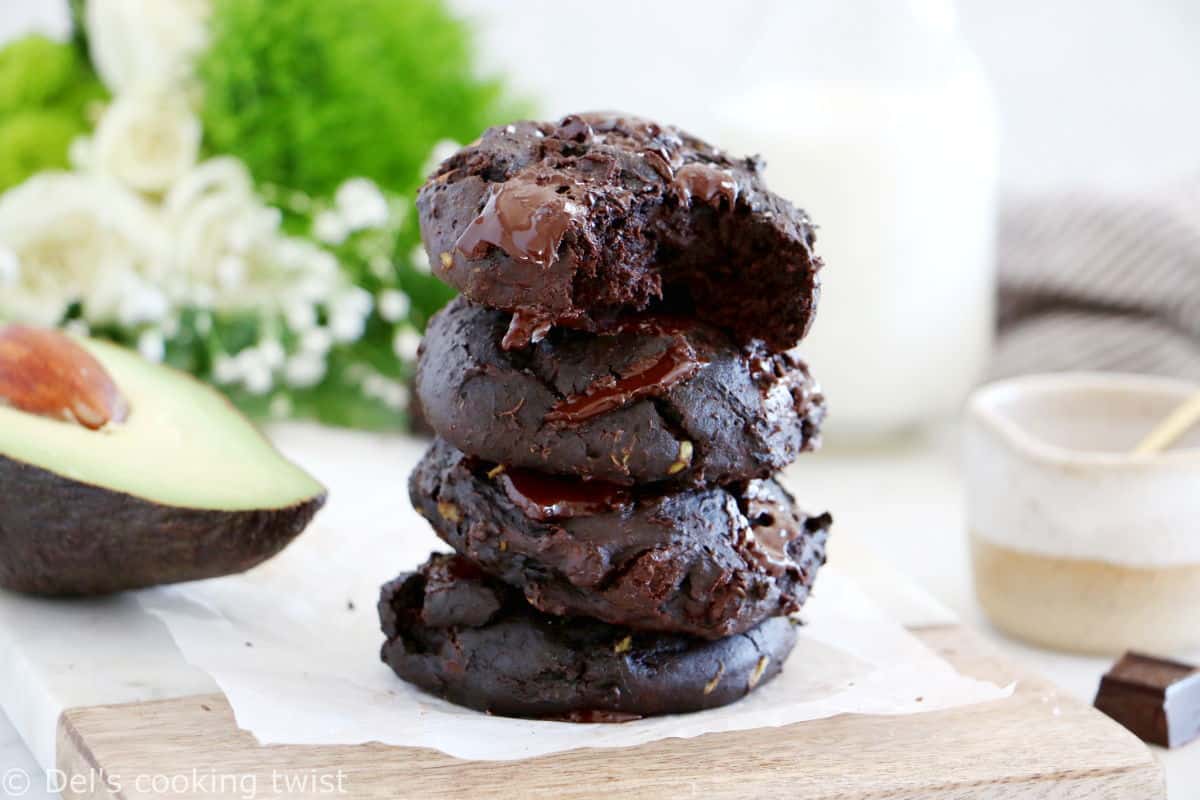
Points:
[(310, 92), (34, 72), (46, 88), (34, 140)]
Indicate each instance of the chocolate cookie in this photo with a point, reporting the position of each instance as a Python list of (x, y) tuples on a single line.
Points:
[(564, 222), (654, 399), (705, 562), (475, 641)]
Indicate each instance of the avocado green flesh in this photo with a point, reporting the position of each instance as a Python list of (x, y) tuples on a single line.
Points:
[(182, 445)]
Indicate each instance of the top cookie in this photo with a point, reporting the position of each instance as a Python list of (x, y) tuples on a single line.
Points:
[(565, 223)]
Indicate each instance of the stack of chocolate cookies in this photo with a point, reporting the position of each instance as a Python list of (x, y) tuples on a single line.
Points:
[(612, 393)]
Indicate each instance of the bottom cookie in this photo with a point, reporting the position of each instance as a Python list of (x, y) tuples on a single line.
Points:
[(475, 641)]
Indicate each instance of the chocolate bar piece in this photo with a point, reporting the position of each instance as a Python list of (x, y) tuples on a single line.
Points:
[(1155, 698)]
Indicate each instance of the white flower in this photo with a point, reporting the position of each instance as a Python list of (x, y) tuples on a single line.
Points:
[(348, 314), (146, 139), (272, 353), (231, 271), (419, 259), (405, 344), (77, 239), (229, 246), (361, 204), (257, 380), (135, 41), (10, 268), (441, 151), (304, 370), (226, 369), (300, 315), (393, 305), (143, 302), (316, 341), (79, 153), (220, 175), (347, 327), (151, 345), (330, 228)]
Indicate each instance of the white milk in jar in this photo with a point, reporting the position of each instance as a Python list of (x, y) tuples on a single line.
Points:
[(891, 149)]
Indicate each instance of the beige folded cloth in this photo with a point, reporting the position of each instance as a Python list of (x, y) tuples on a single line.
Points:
[(1089, 282)]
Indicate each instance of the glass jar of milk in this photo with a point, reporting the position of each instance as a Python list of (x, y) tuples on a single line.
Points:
[(874, 116)]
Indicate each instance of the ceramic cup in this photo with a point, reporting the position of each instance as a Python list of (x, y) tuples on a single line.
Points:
[(1075, 543)]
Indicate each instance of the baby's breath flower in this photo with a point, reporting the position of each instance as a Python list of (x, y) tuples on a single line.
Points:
[(441, 151), (257, 380), (330, 228), (304, 369), (419, 259), (226, 369), (361, 205), (393, 305), (151, 345), (405, 343), (381, 266), (272, 353), (141, 303), (10, 267), (316, 341), (347, 326), (300, 315)]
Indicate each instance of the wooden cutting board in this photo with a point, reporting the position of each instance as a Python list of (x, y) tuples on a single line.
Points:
[(1038, 743)]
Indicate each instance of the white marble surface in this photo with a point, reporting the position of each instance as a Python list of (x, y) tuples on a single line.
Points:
[(20, 774)]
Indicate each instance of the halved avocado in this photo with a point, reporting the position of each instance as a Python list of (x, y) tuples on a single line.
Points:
[(173, 485)]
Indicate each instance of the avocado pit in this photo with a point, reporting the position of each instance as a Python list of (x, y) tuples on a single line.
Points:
[(44, 372)]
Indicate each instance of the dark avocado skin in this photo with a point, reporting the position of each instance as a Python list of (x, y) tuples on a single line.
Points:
[(60, 536)]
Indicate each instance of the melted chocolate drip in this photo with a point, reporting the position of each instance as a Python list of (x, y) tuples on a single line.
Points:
[(653, 378), (525, 220), (771, 529), (546, 497), (705, 182), (524, 328)]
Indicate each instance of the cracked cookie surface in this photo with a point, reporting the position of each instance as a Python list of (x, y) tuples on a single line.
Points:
[(473, 640), (566, 222), (707, 562), (655, 398)]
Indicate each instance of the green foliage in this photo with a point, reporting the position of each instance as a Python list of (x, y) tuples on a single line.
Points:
[(32, 141), (310, 92), (45, 90)]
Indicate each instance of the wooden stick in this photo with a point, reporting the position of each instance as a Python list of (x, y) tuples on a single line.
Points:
[(1175, 425)]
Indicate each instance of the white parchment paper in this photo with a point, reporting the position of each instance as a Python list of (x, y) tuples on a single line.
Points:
[(295, 644)]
